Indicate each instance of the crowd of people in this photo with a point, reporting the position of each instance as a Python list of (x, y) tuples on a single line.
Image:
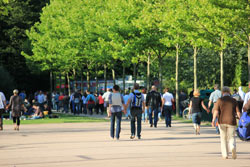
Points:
[(137, 105)]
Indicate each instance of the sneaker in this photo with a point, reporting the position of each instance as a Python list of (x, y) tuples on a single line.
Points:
[(234, 155)]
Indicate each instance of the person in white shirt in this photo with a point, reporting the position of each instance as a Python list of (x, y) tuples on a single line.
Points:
[(241, 93), (105, 96), (167, 103), (2, 108)]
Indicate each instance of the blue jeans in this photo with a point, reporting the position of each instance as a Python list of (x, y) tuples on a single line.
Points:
[(167, 111), (145, 115), (128, 112), (77, 108), (155, 111), (66, 108), (196, 118), (117, 115), (217, 127), (136, 115)]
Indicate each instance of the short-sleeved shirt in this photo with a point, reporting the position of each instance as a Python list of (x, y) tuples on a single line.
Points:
[(168, 97), (2, 98), (116, 108), (196, 104), (40, 98), (105, 96), (131, 96), (215, 96), (246, 107), (90, 96), (227, 110)]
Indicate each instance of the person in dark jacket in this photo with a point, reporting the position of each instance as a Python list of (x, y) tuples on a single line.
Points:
[(153, 104)]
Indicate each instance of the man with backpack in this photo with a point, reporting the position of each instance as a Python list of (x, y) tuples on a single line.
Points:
[(90, 101), (153, 103), (77, 102), (136, 101)]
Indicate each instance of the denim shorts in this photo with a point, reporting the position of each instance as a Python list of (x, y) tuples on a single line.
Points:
[(196, 117)]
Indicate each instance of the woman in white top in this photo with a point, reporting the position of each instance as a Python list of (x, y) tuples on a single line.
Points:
[(167, 102)]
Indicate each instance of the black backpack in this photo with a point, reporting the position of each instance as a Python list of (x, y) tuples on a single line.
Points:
[(137, 100)]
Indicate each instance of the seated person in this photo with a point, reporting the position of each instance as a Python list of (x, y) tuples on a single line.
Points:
[(47, 109), (38, 112)]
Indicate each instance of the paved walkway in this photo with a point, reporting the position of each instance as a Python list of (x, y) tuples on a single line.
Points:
[(89, 145)]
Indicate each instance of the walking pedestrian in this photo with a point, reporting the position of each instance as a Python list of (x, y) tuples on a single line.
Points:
[(195, 109), (101, 103), (212, 100), (16, 104), (153, 104), (226, 110), (2, 108), (125, 98), (145, 114), (77, 102), (90, 101), (105, 96), (136, 101), (167, 102), (117, 106)]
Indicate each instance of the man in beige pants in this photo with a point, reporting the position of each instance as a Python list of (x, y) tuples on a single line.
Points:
[(225, 110)]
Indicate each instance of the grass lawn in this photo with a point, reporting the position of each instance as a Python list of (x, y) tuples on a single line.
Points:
[(63, 118), (180, 119)]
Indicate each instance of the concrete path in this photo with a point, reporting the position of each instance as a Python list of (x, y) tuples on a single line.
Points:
[(89, 145)]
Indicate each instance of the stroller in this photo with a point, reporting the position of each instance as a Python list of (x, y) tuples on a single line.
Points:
[(243, 130)]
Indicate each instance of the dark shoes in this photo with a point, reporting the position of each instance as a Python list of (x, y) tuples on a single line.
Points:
[(132, 137), (151, 125)]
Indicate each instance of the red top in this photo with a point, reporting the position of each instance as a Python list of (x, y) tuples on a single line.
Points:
[(60, 97), (101, 101)]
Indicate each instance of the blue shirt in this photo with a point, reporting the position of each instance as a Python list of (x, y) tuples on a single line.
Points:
[(90, 96)]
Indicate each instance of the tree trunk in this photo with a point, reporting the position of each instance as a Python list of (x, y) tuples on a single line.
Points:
[(113, 76), (69, 87), (160, 72), (177, 80), (221, 66), (75, 81), (82, 90), (195, 68), (123, 78), (88, 79), (51, 81), (55, 81), (148, 73), (60, 82), (105, 78), (135, 74), (96, 80), (248, 55), (65, 82)]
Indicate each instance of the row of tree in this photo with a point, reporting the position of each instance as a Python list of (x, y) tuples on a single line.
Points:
[(81, 37)]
